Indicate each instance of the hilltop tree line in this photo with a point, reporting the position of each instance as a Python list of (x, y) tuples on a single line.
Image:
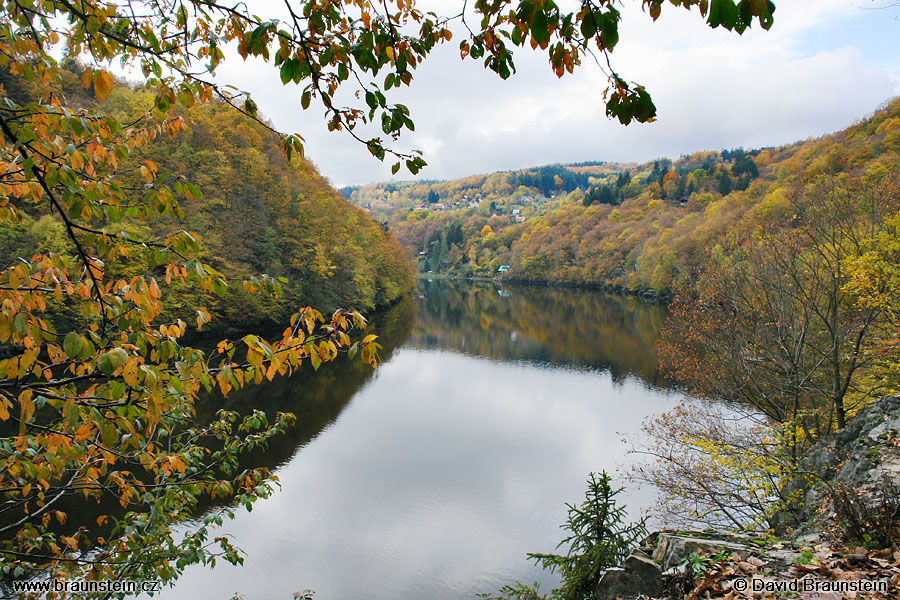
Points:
[(642, 229)]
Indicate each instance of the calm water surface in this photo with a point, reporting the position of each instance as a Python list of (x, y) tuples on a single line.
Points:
[(432, 477)]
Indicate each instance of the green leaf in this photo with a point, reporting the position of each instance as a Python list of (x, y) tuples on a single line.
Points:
[(117, 357), (105, 365), (72, 344), (609, 34), (588, 29), (163, 102), (194, 190), (287, 71), (715, 13), (539, 27)]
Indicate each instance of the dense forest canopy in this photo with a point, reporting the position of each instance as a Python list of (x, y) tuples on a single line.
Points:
[(640, 228), (257, 211)]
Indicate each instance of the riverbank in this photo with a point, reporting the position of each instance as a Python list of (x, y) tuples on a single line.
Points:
[(847, 547), (647, 295)]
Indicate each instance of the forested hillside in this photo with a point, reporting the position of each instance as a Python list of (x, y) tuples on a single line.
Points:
[(253, 211), (640, 228)]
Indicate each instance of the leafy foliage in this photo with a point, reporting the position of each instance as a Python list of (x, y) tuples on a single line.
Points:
[(719, 467), (600, 538), (258, 213), (871, 517), (97, 387), (772, 325), (874, 281)]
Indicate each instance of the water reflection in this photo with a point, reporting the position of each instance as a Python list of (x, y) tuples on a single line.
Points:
[(445, 468), (555, 326), (317, 398)]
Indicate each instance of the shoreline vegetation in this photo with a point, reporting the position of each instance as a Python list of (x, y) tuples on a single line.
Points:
[(616, 291)]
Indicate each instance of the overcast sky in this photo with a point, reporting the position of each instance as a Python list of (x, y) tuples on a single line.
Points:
[(823, 65)]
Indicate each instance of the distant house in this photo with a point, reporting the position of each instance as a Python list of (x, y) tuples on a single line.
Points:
[(503, 269), (520, 219)]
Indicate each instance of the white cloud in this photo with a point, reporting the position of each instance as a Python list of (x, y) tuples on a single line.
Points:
[(713, 88)]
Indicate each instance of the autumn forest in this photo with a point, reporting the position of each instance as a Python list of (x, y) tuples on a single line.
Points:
[(413, 379)]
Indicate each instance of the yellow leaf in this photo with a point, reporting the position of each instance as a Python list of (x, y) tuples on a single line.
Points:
[(102, 84), (69, 541), (87, 77), (4, 411), (130, 372), (26, 405)]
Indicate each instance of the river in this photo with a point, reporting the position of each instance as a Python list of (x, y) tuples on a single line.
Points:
[(433, 476)]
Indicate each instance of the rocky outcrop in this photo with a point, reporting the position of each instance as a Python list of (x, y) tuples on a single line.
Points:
[(864, 451), (638, 576), (864, 456), (656, 569)]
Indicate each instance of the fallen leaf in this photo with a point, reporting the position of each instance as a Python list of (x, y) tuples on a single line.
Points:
[(746, 567), (756, 562)]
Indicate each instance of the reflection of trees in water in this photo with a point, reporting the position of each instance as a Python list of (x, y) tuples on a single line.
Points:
[(564, 327), (317, 399), (557, 326)]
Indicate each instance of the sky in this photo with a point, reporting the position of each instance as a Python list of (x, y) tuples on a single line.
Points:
[(823, 65)]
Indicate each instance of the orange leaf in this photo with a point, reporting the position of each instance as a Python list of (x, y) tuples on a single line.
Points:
[(82, 432), (102, 84)]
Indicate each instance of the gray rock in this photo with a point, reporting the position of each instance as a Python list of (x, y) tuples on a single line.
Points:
[(639, 575), (859, 456), (672, 549)]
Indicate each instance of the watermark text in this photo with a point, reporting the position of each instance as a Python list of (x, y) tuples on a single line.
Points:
[(76, 586), (808, 584)]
